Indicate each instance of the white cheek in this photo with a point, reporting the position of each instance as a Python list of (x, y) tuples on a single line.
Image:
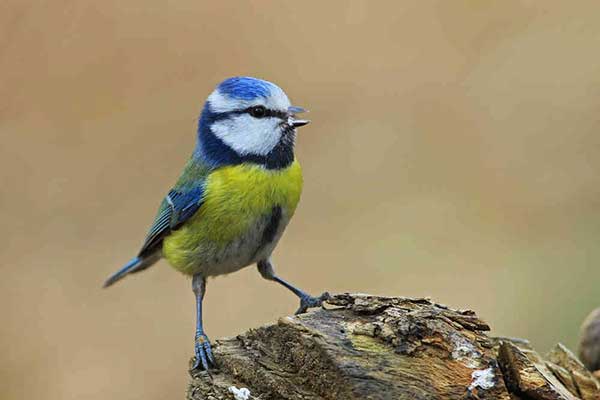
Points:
[(248, 135)]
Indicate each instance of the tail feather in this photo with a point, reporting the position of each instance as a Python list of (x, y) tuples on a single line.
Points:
[(136, 264)]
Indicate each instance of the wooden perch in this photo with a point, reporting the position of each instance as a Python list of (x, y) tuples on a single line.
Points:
[(370, 347)]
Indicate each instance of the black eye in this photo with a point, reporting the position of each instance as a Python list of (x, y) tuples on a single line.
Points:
[(258, 111)]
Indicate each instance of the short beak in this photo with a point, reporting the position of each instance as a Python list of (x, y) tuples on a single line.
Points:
[(298, 122)]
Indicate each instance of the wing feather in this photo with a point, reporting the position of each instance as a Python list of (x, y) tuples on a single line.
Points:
[(176, 208)]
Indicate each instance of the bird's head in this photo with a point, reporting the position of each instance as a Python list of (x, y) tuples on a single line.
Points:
[(248, 120)]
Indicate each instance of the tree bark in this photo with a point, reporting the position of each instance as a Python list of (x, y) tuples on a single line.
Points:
[(371, 347)]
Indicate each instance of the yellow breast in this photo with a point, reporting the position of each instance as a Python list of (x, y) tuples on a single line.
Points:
[(235, 197)]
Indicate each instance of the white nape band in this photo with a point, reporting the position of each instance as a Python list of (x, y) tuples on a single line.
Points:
[(220, 103)]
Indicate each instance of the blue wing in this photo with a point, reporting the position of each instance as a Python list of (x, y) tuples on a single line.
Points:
[(176, 208)]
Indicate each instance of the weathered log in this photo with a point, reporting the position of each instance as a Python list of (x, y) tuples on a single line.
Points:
[(370, 347)]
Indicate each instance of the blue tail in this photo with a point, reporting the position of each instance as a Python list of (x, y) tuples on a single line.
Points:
[(136, 264)]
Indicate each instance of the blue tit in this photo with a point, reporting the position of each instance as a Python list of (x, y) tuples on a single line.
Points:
[(235, 196)]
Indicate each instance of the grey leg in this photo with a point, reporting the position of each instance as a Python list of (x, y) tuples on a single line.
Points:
[(265, 267), (202, 348)]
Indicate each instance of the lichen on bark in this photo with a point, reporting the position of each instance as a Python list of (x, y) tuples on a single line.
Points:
[(361, 346)]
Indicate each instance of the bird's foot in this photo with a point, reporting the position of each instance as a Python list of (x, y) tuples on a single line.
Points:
[(307, 302), (204, 357)]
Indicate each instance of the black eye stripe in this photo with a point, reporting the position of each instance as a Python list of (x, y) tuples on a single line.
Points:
[(268, 113)]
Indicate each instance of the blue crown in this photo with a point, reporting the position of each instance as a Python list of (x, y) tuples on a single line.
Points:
[(245, 88)]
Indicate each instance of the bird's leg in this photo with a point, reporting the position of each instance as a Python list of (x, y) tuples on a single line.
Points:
[(265, 267), (202, 348)]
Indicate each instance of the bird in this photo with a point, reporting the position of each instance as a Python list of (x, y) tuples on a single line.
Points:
[(234, 198)]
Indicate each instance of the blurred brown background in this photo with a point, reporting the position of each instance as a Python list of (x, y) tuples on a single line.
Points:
[(454, 153)]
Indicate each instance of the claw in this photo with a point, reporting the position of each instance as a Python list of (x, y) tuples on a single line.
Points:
[(203, 352), (307, 302)]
